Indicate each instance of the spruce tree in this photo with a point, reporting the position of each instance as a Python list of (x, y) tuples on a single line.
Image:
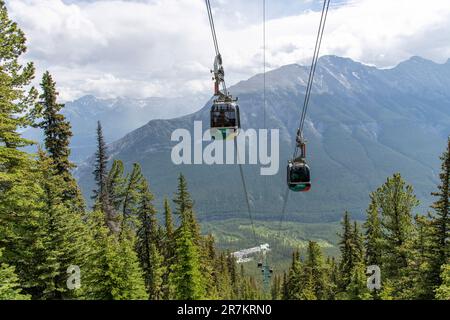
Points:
[(443, 291), (19, 191), (57, 129), (63, 237), (347, 248), (101, 194), (9, 283), (116, 184), (100, 171), (224, 286), (185, 208), (372, 238), (293, 282), (168, 248), (168, 219), (147, 246), (314, 277), (16, 102), (210, 269), (234, 274), (57, 133), (132, 193), (113, 271), (186, 278), (357, 287), (418, 280), (396, 201), (439, 251), (333, 276), (277, 288)]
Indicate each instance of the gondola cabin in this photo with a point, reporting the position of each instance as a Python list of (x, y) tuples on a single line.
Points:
[(225, 117), (298, 177)]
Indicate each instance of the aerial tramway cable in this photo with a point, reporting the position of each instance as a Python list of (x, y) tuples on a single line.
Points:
[(227, 99), (320, 32)]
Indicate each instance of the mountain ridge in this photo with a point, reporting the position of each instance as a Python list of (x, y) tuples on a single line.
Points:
[(364, 124)]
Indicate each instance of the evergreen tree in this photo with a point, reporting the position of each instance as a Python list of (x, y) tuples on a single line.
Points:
[(210, 270), (224, 286), (19, 191), (132, 193), (101, 193), (357, 287), (101, 164), (333, 277), (234, 274), (9, 283), (396, 201), (294, 279), (277, 288), (57, 130), (373, 235), (168, 247), (15, 102), (443, 291), (168, 219), (314, 277), (347, 249), (185, 208), (63, 237), (113, 272), (116, 184), (439, 254), (186, 278), (147, 245)]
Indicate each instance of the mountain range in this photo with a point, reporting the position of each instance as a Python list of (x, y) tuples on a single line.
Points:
[(119, 116), (363, 124)]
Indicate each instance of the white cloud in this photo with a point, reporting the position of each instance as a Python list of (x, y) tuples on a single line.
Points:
[(163, 47)]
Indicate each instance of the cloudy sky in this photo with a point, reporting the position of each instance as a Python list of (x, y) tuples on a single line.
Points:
[(145, 48)]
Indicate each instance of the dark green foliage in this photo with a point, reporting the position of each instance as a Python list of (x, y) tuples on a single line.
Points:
[(186, 278), (113, 272), (396, 201), (101, 193), (56, 128), (63, 237), (373, 236), (57, 132), (116, 185), (348, 252), (100, 169), (132, 194), (185, 208), (10, 286), (443, 291), (148, 244), (439, 251)]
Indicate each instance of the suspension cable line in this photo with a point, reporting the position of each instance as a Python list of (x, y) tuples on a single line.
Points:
[(320, 32), (312, 71), (218, 63)]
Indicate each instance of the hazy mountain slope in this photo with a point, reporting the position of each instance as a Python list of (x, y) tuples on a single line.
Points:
[(363, 125), (119, 116)]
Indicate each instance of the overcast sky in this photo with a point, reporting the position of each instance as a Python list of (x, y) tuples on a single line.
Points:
[(142, 48)]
